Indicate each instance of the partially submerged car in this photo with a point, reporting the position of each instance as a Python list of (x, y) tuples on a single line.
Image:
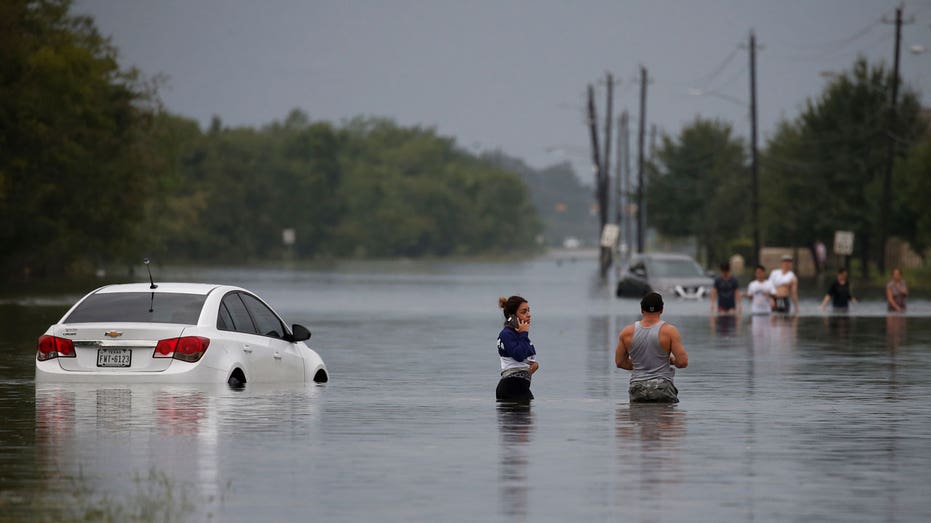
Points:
[(175, 333), (668, 274)]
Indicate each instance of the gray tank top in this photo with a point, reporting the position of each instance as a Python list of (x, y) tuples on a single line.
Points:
[(650, 360)]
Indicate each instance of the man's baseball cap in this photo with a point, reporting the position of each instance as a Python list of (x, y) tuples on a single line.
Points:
[(652, 302)]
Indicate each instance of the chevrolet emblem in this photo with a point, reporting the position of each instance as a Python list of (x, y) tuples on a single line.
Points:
[(113, 334)]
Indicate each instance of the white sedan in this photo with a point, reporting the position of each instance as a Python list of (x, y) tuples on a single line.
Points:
[(175, 333)]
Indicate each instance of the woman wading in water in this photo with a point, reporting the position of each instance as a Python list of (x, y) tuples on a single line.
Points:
[(518, 357)]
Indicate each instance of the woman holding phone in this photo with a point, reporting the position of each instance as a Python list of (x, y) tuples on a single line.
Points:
[(518, 356)]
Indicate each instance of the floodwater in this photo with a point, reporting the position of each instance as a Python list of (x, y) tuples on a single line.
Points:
[(820, 417)]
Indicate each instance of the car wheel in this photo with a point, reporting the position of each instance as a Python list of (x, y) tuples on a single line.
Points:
[(237, 379)]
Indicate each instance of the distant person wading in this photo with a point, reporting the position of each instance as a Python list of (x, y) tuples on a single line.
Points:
[(725, 295), (518, 356), (839, 293), (786, 285), (650, 348), (896, 292)]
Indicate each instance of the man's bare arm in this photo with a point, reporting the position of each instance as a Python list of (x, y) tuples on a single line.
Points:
[(677, 354), (621, 356)]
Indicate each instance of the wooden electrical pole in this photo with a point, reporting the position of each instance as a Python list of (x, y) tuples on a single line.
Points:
[(890, 160), (593, 132), (623, 182), (640, 163), (604, 175), (754, 166)]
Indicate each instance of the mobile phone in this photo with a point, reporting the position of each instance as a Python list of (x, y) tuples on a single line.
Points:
[(512, 322)]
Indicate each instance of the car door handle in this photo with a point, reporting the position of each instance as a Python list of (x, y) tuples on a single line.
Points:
[(277, 356), (247, 349)]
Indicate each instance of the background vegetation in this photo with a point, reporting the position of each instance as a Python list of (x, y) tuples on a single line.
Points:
[(819, 173), (94, 173)]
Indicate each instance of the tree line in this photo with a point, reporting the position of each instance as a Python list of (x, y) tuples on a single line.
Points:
[(820, 172), (93, 172)]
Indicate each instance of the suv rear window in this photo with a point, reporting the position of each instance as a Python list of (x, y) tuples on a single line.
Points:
[(144, 307)]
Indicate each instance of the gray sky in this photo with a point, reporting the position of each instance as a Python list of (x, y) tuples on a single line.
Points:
[(502, 74)]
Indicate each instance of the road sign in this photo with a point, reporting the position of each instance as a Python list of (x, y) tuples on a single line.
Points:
[(843, 243), (610, 234), (288, 236)]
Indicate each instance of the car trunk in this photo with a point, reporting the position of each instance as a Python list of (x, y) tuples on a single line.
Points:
[(124, 347)]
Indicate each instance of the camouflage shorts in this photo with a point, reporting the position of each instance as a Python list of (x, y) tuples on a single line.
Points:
[(656, 390)]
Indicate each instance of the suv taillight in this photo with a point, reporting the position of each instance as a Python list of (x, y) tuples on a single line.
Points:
[(185, 348), (54, 347)]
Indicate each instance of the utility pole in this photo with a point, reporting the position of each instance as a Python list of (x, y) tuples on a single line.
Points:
[(754, 165), (641, 144), (596, 159), (890, 131), (605, 176), (624, 205)]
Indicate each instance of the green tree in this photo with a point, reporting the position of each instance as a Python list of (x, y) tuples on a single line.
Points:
[(823, 171), (912, 183), (70, 183), (371, 188), (562, 202), (699, 186)]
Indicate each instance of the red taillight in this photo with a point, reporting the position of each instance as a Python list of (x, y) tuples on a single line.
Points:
[(185, 348), (54, 347)]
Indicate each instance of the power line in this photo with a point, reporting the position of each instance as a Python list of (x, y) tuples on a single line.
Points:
[(720, 68), (834, 45)]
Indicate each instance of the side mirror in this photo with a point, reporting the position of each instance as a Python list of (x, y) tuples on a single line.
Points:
[(299, 333)]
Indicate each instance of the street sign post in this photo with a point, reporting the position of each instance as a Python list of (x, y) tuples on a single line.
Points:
[(843, 243)]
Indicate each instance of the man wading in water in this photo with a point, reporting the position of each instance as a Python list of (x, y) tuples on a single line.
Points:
[(649, 349)]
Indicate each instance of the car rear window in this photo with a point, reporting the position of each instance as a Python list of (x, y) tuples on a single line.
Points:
[(152, 307)]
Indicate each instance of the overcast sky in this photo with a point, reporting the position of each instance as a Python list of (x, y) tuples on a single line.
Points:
[(503, 74)]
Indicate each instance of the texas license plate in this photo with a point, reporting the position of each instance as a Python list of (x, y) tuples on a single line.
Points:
[(114, 357)]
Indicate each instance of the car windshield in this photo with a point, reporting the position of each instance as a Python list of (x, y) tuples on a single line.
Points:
[(676, 269), (136, 307)]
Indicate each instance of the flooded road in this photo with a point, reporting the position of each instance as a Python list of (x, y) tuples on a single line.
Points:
[(820, 417)]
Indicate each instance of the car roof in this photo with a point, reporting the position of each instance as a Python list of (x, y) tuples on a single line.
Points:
[(175, 287)]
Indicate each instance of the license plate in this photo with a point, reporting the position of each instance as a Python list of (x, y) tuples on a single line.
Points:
[(114, 357)]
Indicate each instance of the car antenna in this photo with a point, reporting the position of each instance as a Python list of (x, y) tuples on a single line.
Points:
[(151, 281)]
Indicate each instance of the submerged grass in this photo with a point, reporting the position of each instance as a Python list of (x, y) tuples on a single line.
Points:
[(155, 498)]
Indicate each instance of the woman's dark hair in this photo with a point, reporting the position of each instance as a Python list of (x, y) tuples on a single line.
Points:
[(510, 305)]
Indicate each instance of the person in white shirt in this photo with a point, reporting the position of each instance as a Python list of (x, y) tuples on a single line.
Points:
[(762, 292), (786, 284)]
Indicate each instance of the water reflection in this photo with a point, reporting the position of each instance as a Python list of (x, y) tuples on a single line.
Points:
[(107, 437), (838, 327), (114, 409), (649, 436), (773, 333), (654, 425), (515, 427), (599, 360), (895, 331), (725, 325), (55, 411), (182, 414)]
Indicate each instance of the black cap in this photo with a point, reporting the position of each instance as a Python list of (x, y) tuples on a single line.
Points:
[(652, 302)]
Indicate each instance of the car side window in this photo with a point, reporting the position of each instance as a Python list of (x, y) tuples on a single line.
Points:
[(266, 321), (242, 322), (224, 320)]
